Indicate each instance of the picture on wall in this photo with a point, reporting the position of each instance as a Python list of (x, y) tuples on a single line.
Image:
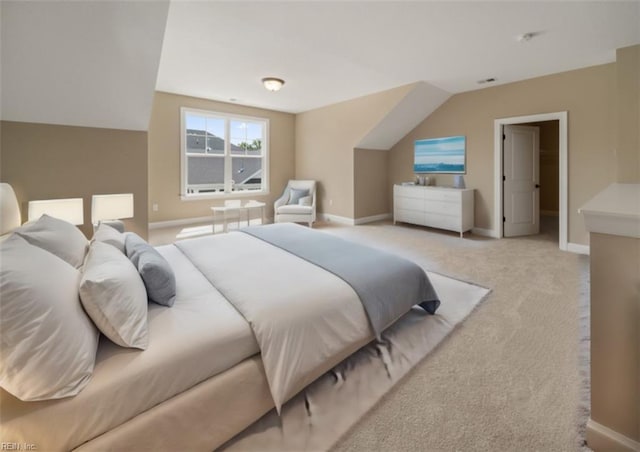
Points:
[(440, 155)]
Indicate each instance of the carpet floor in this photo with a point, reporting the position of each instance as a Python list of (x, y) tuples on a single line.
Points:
[(511, 377)]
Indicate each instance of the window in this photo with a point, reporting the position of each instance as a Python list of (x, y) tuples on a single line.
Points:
[(223, 154)]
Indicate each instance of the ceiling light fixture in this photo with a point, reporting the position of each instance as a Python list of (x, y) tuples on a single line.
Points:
[(272, 83)]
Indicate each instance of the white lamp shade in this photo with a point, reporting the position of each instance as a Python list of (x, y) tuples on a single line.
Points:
[(70, 209), (111, 207)]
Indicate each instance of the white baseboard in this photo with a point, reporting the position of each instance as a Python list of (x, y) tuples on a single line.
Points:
[(330, 218), (371, 219), (485, 232), (600, 437), (578, 248), (180, 222), (189, 221)]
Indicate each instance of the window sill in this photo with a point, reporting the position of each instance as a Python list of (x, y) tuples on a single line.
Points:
[(232, 195)]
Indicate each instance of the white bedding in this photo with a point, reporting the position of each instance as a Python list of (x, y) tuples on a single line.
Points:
[(305, 319), (200, 336)]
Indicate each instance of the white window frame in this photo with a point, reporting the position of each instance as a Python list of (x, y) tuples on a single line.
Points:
[(228, 172)]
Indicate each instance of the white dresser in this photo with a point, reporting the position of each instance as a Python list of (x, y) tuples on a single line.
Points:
[(437, 207)]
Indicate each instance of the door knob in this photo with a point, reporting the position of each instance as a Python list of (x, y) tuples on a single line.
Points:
[(537, 185)]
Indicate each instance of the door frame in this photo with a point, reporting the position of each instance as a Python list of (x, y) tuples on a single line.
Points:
[(561, 117)]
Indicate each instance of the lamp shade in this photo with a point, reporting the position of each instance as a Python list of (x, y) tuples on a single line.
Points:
[(69, 209), (111, 207)]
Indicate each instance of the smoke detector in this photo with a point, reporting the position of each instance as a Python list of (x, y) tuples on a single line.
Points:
[(526, 37)]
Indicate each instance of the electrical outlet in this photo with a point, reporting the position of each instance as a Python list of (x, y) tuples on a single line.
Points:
[(331, 202), (154, 206)]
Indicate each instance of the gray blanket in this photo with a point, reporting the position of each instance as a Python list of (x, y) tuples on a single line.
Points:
[(387, 285)]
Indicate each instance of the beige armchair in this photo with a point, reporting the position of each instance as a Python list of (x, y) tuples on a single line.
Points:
[(297, 204)]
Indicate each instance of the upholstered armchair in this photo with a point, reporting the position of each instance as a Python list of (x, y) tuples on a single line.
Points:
[(297, 204)]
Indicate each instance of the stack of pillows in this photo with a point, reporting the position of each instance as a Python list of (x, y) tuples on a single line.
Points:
[(58, 292)]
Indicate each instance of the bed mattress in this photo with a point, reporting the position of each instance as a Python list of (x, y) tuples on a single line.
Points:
[(202, 335)]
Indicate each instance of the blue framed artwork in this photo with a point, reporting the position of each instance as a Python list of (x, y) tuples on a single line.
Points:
[(440, 155)]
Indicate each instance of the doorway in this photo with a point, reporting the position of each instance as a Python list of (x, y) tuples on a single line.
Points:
[(561, 118)]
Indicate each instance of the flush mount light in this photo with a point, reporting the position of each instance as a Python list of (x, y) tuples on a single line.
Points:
[(272, 83)]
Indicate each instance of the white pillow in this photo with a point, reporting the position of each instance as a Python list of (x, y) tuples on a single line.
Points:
[(114, 296), (56, 236), (48, 344), (110, 235)]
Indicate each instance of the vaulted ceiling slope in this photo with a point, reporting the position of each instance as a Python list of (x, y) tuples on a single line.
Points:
[(90, 64), (417, 104)]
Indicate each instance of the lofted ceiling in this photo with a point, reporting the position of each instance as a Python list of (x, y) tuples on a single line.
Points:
[(97, 63), (332, 51)]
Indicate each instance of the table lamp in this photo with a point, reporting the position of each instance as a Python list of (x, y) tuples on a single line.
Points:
[(110, 209), (69, 209)]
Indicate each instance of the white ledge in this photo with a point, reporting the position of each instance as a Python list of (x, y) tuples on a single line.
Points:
[(615, 210)]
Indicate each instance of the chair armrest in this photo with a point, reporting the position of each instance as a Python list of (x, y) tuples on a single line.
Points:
[(282, 200)]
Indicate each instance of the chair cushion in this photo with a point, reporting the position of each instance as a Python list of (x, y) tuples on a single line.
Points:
[(295, 194), (295, 209)]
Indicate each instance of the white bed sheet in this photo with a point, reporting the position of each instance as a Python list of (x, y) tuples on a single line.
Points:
[(201, 336)]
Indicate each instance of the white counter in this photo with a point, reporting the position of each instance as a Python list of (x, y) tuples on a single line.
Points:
[(614, 211)]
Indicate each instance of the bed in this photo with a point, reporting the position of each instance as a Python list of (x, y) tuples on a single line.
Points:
[(252, 324)]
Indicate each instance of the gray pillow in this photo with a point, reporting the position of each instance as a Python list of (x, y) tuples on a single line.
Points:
[(156, 273), (56, 236), (295, 194)]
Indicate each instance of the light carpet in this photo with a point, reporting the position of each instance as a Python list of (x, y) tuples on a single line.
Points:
[(317, 417)]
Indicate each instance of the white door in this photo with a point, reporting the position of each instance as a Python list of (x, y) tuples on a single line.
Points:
[(521, 189)]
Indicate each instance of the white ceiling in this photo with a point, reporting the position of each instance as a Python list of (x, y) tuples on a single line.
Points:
[(332, 51), (97, 63), (81, 63)]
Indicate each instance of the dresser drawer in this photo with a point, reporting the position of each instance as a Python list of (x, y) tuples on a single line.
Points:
[(442, 221), (409, 203), (408, 191), (443, 195), (409, 216), (442, 207)]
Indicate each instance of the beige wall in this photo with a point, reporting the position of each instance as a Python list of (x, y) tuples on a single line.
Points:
[(628, 114), (325, 142), (164, 155), (371, 179), (587, 94), (549, 165), (615, 336), (44, 161)]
